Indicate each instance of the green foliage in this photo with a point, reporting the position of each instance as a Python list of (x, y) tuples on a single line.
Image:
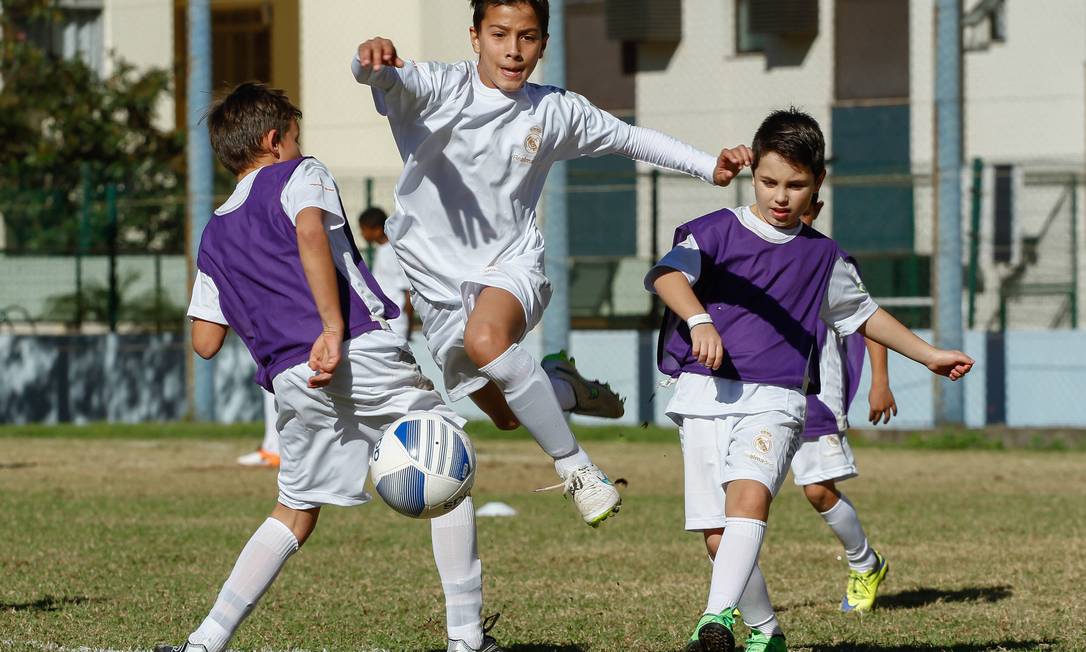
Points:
[(66, 133), (92, 303)]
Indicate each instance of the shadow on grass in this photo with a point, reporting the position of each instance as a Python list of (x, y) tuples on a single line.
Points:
[(48, 603), (9, 466), (1007, 646), (924, 596)]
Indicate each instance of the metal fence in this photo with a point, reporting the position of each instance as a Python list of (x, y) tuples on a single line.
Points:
[(97, 259)]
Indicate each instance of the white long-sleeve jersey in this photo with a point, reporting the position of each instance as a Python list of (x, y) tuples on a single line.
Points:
[(475, 162)]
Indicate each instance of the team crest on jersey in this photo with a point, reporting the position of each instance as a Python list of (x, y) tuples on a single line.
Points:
[(763, 442), (534, 139)]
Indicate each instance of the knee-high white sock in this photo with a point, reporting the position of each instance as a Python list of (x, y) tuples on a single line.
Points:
[(735, 561), (757, 609), (530, 396), (461, 572), (256, 568), (845, 523), (271, 415)]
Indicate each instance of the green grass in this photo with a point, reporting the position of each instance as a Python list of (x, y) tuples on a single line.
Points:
[(123, 542)]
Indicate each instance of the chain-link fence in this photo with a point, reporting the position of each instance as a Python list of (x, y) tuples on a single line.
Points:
[(96, 258)]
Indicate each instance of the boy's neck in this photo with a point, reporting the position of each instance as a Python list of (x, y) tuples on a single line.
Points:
[(261, 162)]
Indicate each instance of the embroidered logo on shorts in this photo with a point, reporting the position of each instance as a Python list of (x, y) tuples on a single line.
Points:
[(535, 137), (833, 441), (763, 442)]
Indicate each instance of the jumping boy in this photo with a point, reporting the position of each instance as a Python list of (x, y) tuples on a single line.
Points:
[(825, 457), (277, 263), (745, 289), (477, 142)]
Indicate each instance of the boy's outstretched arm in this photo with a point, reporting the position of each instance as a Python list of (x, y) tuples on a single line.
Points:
[(320, 274), (879, 398), (675, 291), (207, 338), (884, 329)]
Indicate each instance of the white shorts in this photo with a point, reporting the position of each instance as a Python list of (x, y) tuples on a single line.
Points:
[(443, 324), (827, 458), (741, 447), (325, 434)]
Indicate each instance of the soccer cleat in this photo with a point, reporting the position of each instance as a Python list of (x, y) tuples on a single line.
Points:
[(863, 587), (184, 647), (489, 644), (759, 642), (594, 399), (713, 634), (593, 494), (260, 457)]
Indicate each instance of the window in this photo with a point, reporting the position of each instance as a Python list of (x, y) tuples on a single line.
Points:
[(746, 41), (1003, 233), (75, 32)]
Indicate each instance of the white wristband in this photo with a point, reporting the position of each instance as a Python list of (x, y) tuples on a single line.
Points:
[(696, 320)]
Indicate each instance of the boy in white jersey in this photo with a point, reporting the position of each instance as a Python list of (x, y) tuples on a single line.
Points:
[(825, 456), (371, 226), (278, 264), (745, 289), (477, 141)]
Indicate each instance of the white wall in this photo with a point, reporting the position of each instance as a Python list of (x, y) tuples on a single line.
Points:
[(141, 32), (340, 125)]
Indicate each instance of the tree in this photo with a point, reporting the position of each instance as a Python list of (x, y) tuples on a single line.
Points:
[(66, 133)]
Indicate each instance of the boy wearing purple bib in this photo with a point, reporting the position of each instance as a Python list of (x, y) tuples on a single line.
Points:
[(278, 264), (825, 458), (746, 289)]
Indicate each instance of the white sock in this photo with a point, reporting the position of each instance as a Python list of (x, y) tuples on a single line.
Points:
[(735, 561), (757, 609), (530, 396), (845, 523), (256, 568), (563, 391), (271, 415), (457, 558), (566, 465)]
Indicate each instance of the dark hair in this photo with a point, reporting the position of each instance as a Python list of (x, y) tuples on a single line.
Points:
[(542, 10), (373, 217), (238, 122), (795, 136)]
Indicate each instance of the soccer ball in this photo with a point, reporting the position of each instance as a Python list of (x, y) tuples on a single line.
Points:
[(423, 466)]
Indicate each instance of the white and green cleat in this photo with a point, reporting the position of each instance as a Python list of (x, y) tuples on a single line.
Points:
[(594, 398), (864, 587)]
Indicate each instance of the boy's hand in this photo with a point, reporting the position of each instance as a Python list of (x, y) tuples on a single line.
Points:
[(730, 163), (377, 53), (881, 401), (324, 356), (706, 345), (952, 364)]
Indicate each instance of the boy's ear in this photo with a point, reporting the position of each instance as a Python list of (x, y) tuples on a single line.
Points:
[(269, 142), (474, 35)]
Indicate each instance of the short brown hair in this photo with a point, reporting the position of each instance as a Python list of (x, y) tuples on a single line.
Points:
[(238, 122), (542, 9), (795, 136)]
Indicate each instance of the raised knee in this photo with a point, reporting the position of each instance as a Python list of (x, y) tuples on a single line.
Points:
[(484, 343)]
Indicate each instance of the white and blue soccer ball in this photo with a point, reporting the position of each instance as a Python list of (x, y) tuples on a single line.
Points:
[(423, 466)]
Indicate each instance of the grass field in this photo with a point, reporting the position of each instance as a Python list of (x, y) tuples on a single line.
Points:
[(122, 541)]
